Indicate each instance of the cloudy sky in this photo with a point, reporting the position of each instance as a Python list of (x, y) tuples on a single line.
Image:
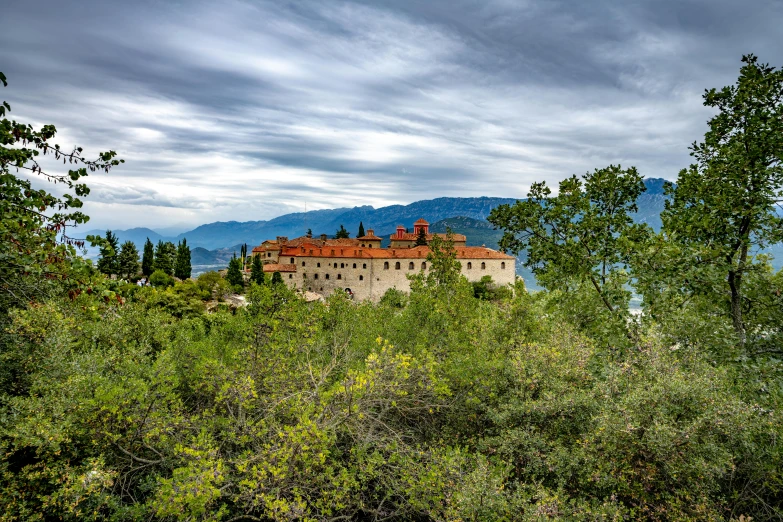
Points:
[(248, 110)]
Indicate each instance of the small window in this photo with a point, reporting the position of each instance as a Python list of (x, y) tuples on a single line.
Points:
[(293, 260), (269, 254), (503, 265), (362, 245), (386, 265), (315, 276), (410, 265), (369, 246), (424, 266), (303, 263), (483, 266), (310, 288), (364, 265), (397, 265), (304, 276), (354, 265), (318, 265), (290, 276), (470, 265), (339, 276), (326, 276), (361, 278), (342, 265)]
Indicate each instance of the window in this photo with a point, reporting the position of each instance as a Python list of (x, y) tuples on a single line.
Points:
[(483, 265), (397, 265), (269, 254), (315, 276), (354, 265), (310, 288), (364, 265), (341, 265), (304, 276), (290, 276), (470, 265), (361, 278), (327, 276), (303, 263), (369, 246), (362, 245), (339, 276), (293, 260), (386, 265), (410, 265), (318, 265), (503, 265), (424, 266)]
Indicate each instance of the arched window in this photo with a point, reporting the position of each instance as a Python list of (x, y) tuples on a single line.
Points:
[(354, 265), (310, 288), (503, 265), (424, 266), (341, 265), (397, 265), (339, 276), (318, 265), (364, 265), (386, 265), (470, 265), (290, 276), (327, 276), (483, 265), (293, 260), (269, 254), (410, 265), (315, 276), (369, 246), (303, 263), (361, 278), (362, 244)]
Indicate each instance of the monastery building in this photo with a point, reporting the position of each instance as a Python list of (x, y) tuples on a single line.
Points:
[(360, 266)]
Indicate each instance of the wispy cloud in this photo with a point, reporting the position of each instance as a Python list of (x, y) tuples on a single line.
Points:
[(245, 110)]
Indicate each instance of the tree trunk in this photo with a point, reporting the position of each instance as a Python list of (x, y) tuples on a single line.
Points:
[(735, 284)]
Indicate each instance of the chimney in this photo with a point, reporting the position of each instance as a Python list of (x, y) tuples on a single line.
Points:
[(282, 240), (323, 237), (400, 231)]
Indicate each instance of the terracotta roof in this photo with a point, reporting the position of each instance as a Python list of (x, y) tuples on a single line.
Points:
[(413, 237), (419, 252), (372, 237), (421, 221), (272, 267)]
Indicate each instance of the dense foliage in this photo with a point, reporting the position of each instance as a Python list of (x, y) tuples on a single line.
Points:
[(456, 401)]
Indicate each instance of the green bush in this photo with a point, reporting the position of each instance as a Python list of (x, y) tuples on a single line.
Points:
[(160, 279)]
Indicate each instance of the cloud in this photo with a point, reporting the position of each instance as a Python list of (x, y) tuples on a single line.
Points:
[(246, 110)]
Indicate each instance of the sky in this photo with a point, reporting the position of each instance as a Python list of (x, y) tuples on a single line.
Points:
[(246, 110)]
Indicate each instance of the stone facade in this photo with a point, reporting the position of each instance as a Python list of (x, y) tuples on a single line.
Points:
[(324, 266)]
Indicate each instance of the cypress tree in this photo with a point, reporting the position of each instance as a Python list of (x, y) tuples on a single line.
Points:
[(110, 250), (277, 278), (361, 230), (342, 233), (148, 259), (257, 271), (165, 256), (128, 260), (421, 238), (182, 267), (234, 274)]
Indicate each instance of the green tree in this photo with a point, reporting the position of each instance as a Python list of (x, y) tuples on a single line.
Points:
[(277, 278), (234, 274), (723, 205), (243, 255), (442, 259), (165, 256), (361, 230), (128, 260), (108, 262), (182, 267), (257, 271), (148, 258), (421, 238), (342, 233), (581, 234)]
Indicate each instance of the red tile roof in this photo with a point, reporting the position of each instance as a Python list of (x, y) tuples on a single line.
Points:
[(413, 237), (421, 221), (419, 252), (272, 267), (369, 237)]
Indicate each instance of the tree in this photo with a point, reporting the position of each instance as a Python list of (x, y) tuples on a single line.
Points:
[(110, 248), (421, 238), (257, 271), (361, 230), (581, 234), (277, 278), (723, 205), (342, 233), (165, 256), (234, 274), (148, 258), (442, 258), (243, 255), (182, 267), (128, 260)]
